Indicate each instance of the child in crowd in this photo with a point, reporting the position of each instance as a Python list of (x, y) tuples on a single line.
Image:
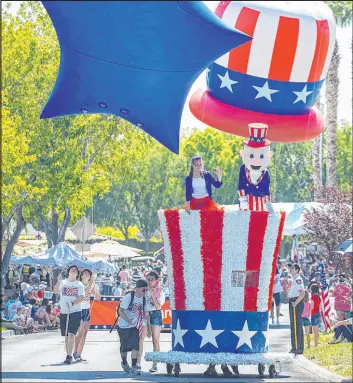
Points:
[(306, 317), (315, 312)]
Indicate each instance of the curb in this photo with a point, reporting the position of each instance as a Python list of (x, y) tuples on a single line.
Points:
[(320, 371), (7, 334)]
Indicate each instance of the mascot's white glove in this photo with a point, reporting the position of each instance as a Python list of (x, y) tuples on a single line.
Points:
[(243, 203), (269, 207)]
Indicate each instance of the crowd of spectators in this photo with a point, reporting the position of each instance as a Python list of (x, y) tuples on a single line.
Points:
[(29, 305)]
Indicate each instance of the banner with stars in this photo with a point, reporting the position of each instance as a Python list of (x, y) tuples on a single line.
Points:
[(215, 332)]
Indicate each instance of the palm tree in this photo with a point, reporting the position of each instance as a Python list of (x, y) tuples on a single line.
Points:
[(343, 13)]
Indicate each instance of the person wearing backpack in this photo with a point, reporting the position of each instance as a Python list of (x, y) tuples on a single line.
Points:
[(131, 320)]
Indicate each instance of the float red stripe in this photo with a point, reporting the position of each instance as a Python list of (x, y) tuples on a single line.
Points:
[(174, 233), (211, 254), (221, 7), (284, 49), (321, 49), (275, 256), (256, 236), (239, 57)]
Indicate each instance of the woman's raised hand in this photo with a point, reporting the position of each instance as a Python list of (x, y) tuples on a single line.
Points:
[(218, 171)]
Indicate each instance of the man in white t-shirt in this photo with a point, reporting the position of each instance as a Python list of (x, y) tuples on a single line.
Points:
[(71, 292)]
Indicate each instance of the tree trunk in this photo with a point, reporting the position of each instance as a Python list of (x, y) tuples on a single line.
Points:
[(47, 229), (54, 228), (64, 225), (147, 245), (20, 225), (332, 85), (315, 153)]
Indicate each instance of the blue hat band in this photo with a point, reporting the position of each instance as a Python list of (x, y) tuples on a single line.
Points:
[(261, 95), (191, 331)]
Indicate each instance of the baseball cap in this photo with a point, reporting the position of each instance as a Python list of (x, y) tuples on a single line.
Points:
[(30, 289), (317, 274)]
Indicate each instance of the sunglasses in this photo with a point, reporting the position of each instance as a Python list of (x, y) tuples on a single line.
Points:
[(150, 280), (144, 290)]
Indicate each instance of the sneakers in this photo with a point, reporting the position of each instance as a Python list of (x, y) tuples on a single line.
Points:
[(68, 359), (277, 322), (135, 371), (154, 368), (226, 371), (126, 367), (76, 357), (138, 366)]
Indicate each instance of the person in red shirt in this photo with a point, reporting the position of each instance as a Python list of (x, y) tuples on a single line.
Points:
[(315, 311)]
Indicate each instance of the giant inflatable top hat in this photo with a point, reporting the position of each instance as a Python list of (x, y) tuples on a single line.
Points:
[(274, 78)]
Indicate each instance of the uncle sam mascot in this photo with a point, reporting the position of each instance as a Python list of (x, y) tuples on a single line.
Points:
[(254, 178)]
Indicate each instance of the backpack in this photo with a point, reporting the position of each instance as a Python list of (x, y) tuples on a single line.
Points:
[(132, 295)]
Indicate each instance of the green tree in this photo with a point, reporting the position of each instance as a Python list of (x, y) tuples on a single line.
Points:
[(343, 13)]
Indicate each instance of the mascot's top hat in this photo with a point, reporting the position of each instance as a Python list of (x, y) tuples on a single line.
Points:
[(276, 77), (257, 135)]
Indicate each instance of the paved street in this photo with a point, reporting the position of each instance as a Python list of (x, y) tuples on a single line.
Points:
[(39, 357)]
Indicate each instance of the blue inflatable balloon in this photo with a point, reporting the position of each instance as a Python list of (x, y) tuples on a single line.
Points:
[(136, 60)]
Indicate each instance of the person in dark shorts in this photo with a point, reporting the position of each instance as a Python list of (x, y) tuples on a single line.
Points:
[(71, 292), (91, 290), (132, 319)]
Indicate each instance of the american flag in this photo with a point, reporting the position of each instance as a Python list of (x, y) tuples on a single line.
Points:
[(71, 292), (325, 301), (137, 310)]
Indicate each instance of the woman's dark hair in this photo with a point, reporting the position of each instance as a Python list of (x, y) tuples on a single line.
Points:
[(83, 271), (32, 301), (153, 274), (48, 309), (73, 267), (193, 159), (315, 289)]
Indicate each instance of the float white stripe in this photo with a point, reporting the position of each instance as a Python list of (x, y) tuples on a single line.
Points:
[(305, 51), (266, 261), (235, 245), (332, 27), (230, 17), (262, 44), (163, 223), (193, 266)]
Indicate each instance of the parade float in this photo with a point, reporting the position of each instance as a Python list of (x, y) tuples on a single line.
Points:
[(266, 65)]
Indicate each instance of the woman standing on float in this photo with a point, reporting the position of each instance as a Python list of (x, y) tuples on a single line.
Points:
[(90, 290), (199, 186)]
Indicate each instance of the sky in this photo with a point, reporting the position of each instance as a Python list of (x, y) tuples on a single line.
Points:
[(344, 37)]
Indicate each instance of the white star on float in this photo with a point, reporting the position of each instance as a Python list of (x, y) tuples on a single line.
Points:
[(95, 326), (302, 95), (209, 335), (104, 326), (265, 91), (227, 82), (244, 335), (178, 335)]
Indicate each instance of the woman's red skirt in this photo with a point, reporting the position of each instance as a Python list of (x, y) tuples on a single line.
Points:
[(204, 203)]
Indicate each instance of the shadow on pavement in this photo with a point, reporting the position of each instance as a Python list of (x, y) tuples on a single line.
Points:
[(102, 375)]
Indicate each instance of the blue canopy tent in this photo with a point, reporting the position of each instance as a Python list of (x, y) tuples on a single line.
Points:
[(63, 255), (103, 266), (28, 260)]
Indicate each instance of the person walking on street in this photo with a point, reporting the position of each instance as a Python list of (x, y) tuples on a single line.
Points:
[(91, 290), (71, 293), (131, 323), (155, 299), (296, 307)]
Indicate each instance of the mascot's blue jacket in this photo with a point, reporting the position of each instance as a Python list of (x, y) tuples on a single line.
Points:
[(209, 182)]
